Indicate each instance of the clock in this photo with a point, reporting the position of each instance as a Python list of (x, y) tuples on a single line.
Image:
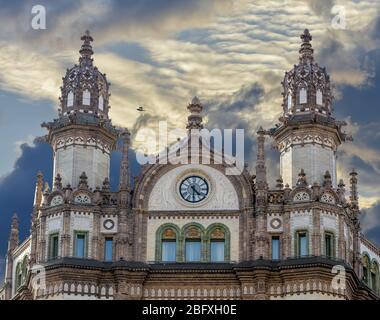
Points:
[(194, 189), (82, 199), (56, 201)]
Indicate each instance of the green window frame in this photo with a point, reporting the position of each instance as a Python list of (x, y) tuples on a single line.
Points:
[(161, 236), (84, 235), (299, 236), (329, 244), (53, 246), (192, 232), (212, 232)]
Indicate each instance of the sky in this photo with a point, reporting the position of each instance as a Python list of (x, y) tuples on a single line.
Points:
[(232, 54)]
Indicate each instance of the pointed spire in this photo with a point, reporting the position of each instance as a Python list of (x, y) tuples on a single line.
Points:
[(327, 182), (38, 190), (195, 118), (106, 185), (124, 167), (280, 183), (302, 182), (83, 181), (261, 172), (354, 199), (14, 234), (86, 49), (306, 51), (58, 182)]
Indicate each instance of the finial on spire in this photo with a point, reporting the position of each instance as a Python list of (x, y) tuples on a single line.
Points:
[(86, 49), (124, 167), (302, 182), (306, 51), (195, 118), (354, 199)]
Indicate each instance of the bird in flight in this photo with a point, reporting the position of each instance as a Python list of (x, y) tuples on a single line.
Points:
[(140, 109)]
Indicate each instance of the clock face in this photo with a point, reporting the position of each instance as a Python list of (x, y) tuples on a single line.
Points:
[(194, 189)]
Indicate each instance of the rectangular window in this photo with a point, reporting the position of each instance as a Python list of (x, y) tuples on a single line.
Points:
[(193, 251), (53, 244), (80, 246), (329, 245), (108, 249), (86, 98), (217, 251), (303, 246), (275, 248), (169, 248)]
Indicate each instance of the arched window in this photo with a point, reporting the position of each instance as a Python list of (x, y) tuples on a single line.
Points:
[(70, 99), (303, 96), (375, 276), (217, 245), (169, 245), (289, 100), (101, 103), (18, 275), (319, 97), (86, 97), (193, 244), (366, 268)]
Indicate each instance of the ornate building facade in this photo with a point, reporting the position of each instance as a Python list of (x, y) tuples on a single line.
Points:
[(192, 231)]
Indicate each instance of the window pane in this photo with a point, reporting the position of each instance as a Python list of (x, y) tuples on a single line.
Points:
[(108, 250), (54, 247), (70, 99), (101, 103), (365, 275), (319, 97), (303, 249), (193, 251), (275, 248), (86, 97), (217, 251), (169, 251), (80, 245), (303, 95), (328, 245)]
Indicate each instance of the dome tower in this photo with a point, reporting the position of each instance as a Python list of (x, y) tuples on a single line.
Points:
[(308, 136), (83, 137)]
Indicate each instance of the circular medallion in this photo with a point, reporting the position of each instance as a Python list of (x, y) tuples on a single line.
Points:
[(108, 224), (275, 223)]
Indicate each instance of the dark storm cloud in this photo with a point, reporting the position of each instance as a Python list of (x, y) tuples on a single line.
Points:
[(17, 189)]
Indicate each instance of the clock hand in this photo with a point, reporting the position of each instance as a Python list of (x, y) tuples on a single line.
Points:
[(195, 190)]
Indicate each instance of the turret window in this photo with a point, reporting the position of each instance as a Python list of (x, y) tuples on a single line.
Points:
[(101, 103), (303, 96), (80, 245), (108, 249), (53, 246), (329, 245), (302, 244), (319, 98), (70, 99), (275, 248), (86, 97), (289, 100)]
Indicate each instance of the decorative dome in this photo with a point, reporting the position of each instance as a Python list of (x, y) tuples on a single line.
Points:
[(307, 85), (84, 88)]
